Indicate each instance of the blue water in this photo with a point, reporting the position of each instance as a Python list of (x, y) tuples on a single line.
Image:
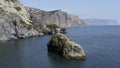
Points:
[(100, 43)]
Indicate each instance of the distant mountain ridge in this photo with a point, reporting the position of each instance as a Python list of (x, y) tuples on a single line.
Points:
[(100, 21)]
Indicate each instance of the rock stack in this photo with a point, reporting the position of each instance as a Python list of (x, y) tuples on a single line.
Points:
[(64, 46)]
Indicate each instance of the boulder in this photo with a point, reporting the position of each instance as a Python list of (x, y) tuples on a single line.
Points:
[(64, 46)]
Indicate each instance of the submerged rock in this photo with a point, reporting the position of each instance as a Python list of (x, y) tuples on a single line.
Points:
[(64, 46)]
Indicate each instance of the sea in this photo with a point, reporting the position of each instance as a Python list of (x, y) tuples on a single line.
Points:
[(100, 43)]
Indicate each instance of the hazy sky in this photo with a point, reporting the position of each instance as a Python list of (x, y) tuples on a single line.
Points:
[(85, 9)]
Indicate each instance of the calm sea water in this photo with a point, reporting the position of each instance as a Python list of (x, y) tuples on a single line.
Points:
[(100, 43)]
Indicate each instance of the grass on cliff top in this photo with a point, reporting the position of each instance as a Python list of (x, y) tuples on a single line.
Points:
[(11, 0), (18, 8)]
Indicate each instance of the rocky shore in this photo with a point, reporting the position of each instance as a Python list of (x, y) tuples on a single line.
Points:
[(18, 21)]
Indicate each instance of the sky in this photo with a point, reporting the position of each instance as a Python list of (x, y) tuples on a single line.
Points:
[(85, 9)]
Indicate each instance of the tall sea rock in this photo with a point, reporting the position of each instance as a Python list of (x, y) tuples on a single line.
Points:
[(40, 18), (14, 21)]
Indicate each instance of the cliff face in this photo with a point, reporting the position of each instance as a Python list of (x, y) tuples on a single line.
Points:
[(14, 6), (14, 21), (61, 18)]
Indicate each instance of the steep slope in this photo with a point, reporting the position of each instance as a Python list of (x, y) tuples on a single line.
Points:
[(61, 18), (14, 6), (14, 21)]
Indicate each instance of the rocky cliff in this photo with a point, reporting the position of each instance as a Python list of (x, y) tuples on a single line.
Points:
[(61, 18), (14, 21)]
